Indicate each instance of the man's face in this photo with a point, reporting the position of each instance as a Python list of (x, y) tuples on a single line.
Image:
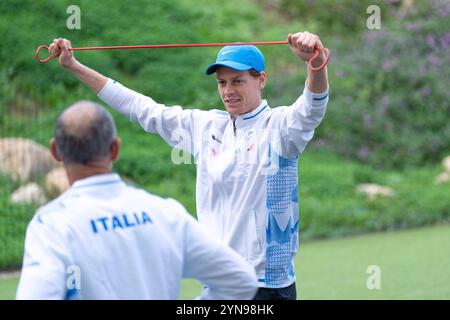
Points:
[(239, 90)]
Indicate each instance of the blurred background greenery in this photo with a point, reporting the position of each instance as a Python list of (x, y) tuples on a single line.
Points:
[(387, 120)]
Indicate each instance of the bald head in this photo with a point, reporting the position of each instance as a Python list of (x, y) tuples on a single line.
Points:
[(84, 133)]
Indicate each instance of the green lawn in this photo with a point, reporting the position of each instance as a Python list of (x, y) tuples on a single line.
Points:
[(414, 264), (8, 288)]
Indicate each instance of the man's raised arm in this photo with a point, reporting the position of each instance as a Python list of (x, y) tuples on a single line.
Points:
[(302, 45), (60, 49)]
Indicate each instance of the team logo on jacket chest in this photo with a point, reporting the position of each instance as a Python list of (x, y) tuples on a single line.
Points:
[(124, 221)]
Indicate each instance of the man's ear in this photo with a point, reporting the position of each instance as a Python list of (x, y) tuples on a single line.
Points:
[(262, 79), (114, 150), (54, 150)]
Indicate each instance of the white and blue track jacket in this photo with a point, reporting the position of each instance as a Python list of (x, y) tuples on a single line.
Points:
[(247, 176), (103, 239)]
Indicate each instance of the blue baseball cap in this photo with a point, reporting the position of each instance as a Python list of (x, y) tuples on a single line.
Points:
[(239, 57)]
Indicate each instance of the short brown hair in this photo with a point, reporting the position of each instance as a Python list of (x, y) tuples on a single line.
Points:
[(256, 74)]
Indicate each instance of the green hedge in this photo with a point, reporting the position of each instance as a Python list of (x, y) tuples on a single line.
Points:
[(169, 75), (389, 96), (13, 222), (330, 205)]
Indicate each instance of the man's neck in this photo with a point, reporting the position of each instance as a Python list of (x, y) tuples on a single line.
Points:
[(233, 117), (78, 171)]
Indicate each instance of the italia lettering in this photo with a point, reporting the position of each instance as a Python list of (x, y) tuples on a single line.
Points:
[(116, 223), (123, 221)]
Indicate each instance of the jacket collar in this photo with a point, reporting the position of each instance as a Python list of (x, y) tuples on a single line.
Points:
[(253, 115), (97, 181)]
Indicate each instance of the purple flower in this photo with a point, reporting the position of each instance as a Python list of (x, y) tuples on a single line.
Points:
[(384, 105), (441, 8), (414, 27), (423, 68), (445, 40), (443, 13), (431, 41), (388, 65), (401, 14), (367, 120), (372, 37), (426, 91), (320, 142), (364, 153), (434, 59)]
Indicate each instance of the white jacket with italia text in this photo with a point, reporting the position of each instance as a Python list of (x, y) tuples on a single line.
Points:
[(103, 239)]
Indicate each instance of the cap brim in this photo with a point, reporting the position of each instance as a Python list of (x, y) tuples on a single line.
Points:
[(231, 64)]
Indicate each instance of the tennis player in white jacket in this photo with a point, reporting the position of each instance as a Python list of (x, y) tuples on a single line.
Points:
[(103, 239), (246, 156)]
